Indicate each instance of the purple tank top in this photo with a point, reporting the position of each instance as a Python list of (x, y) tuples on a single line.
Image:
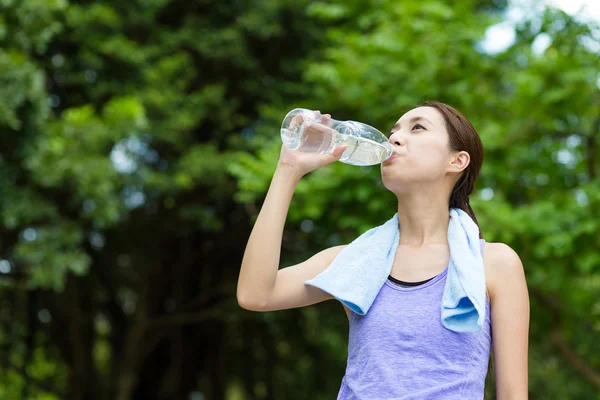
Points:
[(401, 350)]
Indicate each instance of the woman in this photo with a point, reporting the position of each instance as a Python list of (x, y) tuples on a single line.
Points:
[(400, 349)]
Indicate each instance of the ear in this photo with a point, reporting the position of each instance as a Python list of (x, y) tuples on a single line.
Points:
[(459, 161)]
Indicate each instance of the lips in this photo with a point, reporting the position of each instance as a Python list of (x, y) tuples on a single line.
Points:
[(394, 156)]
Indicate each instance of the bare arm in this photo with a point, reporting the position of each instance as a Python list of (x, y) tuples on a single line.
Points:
[(510, 321), (261, 285)]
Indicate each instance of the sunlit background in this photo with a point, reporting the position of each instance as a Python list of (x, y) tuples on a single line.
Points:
[(502, 35)]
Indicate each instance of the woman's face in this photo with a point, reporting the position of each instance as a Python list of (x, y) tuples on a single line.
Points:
[(422, 147)]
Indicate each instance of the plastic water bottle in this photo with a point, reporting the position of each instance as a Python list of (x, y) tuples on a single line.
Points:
[(311, 132)]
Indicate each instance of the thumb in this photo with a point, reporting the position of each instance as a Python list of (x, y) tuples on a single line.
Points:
[(338, 151)]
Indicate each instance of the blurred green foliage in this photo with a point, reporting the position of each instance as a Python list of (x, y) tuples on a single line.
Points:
[(137, 141)]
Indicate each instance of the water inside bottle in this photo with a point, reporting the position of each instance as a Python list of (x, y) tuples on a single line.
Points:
[(360, 151)]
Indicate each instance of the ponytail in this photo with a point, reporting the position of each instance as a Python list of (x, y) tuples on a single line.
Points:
[(460, 199)]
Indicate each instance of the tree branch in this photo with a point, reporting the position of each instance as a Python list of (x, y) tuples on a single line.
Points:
[(591, 150), (189, 318), (204, 297), (558, 309), (564, 135), (186, 318), (574, 359)]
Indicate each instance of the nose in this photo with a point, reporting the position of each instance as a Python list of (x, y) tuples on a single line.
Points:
[(397, 139)]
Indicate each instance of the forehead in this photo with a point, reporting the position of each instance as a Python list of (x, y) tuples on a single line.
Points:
[(429, 113)]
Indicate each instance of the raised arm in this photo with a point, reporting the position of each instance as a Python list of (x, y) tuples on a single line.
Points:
[(261, 285)]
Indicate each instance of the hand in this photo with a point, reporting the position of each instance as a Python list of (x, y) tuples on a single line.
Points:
[(303, 163)]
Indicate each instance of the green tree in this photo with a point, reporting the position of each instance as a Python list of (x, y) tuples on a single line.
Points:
[(537, 113), (138, 138), (121, 240)]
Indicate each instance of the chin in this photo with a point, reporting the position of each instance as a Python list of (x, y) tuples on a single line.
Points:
[(390, 175), (399, 181), (394, 185)]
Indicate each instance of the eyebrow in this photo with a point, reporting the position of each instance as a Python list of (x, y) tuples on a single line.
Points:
[(412, 120)]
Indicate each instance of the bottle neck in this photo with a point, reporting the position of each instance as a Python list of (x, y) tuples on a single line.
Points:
[(389, 150)]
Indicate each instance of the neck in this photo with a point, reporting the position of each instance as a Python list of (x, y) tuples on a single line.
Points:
[(423, 218)]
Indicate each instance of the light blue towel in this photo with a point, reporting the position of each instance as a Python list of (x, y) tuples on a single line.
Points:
[(360, 270)]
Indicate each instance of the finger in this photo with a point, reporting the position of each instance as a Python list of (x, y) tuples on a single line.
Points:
[(338, 151), (326, 120)]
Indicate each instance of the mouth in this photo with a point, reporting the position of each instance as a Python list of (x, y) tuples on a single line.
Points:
[(394, 156)]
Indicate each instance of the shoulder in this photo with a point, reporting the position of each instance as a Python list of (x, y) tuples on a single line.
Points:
[(503, 266), (329, 254), (501, 255)]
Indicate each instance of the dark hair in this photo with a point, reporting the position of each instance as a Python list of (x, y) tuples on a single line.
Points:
[(463, 137)]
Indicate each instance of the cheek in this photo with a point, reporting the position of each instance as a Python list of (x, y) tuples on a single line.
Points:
[(425, 158), (426, 164), (430, 162), (427, 155)]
